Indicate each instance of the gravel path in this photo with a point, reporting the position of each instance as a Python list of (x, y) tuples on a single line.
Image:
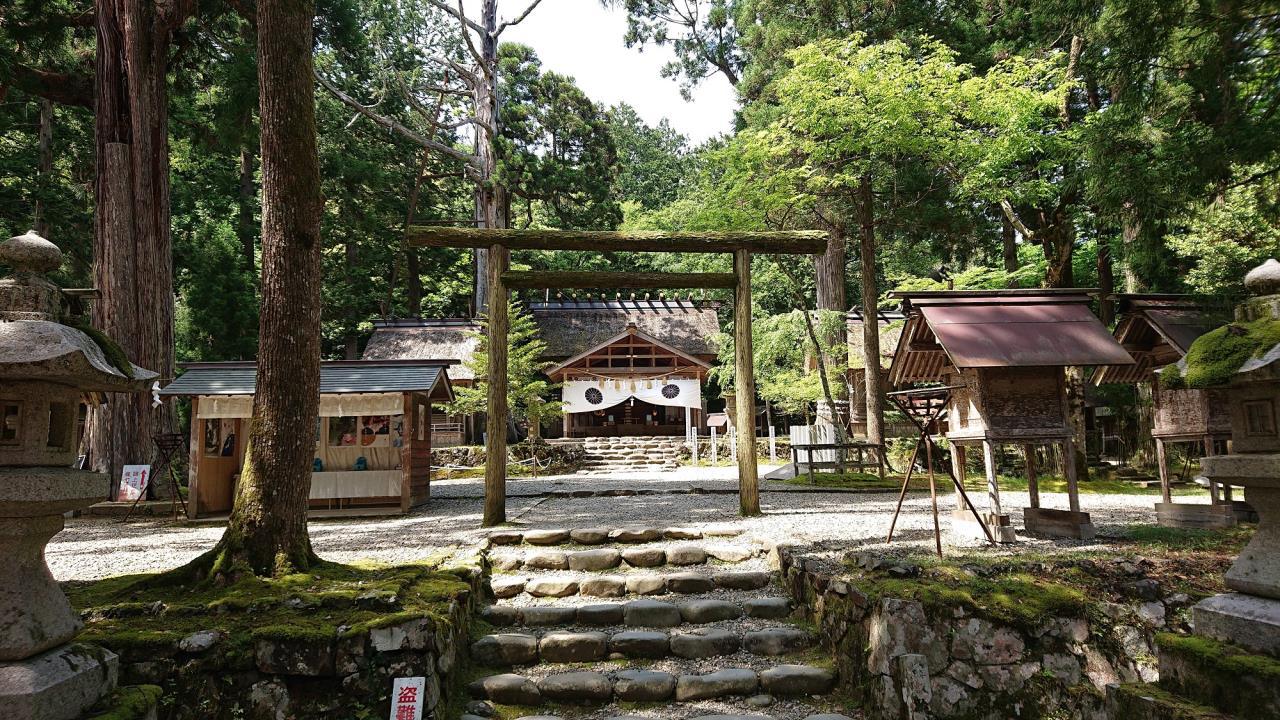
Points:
[(92, 548)]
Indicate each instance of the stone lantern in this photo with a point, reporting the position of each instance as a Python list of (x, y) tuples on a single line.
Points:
[(46, 368), (1245, 358)]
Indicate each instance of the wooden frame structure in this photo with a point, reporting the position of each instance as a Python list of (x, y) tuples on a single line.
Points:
[(500, 243), (1157, 330), (1002, 355)]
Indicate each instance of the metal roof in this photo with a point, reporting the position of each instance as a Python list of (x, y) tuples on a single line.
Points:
[(970, 329), (336, 378)]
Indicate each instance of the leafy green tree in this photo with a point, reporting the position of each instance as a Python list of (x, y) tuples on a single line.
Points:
[(701, 34), (653, 161), (527, 387)]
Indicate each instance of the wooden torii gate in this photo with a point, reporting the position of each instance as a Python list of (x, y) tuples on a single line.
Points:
[(500, 243)]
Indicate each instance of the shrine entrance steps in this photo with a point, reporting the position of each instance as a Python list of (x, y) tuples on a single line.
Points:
[(643, 623), (631, 454)]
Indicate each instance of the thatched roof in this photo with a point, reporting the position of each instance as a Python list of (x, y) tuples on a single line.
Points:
[(569, 328), (447, 341)]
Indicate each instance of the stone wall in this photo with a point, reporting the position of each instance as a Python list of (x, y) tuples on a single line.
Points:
[(284, 676), (904, 660)]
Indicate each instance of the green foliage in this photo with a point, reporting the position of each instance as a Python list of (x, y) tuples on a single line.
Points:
[(1224, 237), (786, 373), (1217, 355), (133, 702), (527, 388), (653, 162)]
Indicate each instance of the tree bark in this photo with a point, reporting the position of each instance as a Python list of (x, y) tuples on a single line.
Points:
[(267, 532), (829, 277), (246, 229), (1106, 284), (870, 312), (1009, 243), (1130, 232), (132, 220), (41, 222), (490, 198), (412, 263)]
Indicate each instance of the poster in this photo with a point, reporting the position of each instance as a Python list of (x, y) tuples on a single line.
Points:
[(212, 438), (408, 695), (133, 482), (228, 438)]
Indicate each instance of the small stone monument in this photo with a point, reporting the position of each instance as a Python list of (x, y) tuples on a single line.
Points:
[(1244, 357), (46, 368)]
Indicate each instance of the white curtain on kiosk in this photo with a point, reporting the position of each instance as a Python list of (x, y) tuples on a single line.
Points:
[(591, 395)]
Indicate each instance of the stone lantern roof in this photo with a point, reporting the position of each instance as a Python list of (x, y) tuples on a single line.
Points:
[(1243, 351), (35, 344)]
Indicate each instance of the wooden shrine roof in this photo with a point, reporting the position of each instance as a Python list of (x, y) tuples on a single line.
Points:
[(448, 341), (1002, 328), (1157, 330)]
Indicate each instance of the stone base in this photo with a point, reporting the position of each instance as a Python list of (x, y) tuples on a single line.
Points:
[(1244, 512), (964, 526), (1246, 620), (1186, 515), (59, 684), (1059, 523)]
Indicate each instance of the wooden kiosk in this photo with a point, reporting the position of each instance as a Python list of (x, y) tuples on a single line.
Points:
[(372, 439), (1002, 356), (1158, 330)]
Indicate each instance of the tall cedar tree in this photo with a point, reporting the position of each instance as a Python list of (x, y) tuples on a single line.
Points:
[(267, 532)]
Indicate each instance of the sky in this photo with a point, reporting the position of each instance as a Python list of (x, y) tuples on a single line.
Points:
[(581, 39)]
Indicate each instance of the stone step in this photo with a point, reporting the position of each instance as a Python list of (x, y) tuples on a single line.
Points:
[(601, 535), (636, 613), (636, 685), (508, 649), (717, 716), (611, 586), (609, 558), (1141, 701)]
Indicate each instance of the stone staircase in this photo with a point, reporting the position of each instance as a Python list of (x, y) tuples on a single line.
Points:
[(629, 454), (635, 623)]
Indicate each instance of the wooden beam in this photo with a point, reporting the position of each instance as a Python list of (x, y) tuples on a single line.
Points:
[(744, 375), (784, 242), (629, 280), (495, 444)]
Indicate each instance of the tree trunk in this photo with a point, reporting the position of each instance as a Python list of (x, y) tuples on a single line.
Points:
[(490, 198), (870, 312), (246, 229), (1106, 284), (1130, 231), (41, 221), (267, 532), (133, 255), (1009, 242), (829, 270), (412, 264)]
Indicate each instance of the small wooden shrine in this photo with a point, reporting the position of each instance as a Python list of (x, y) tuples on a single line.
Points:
[(1158, 330), (372, 439), (1001, 355)]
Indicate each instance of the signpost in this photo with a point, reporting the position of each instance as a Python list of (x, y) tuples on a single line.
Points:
[(408, 696), (133, 481)]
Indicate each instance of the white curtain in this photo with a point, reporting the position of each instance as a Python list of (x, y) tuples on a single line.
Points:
[(241, 406), (591, 395)]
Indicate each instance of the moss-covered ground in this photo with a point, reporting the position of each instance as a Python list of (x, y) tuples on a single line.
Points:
[(1025, 589), (1221, 660), (137, 612)]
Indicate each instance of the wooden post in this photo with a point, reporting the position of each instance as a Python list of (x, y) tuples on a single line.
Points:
[(962, 472), (1214, 486), (194, 451), (993, 485), (1069, 463), (1033, 484), (495, 445), (748, 480), (408, 441), (1162, 464)]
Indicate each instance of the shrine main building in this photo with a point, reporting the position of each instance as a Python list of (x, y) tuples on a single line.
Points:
[(626, 367)]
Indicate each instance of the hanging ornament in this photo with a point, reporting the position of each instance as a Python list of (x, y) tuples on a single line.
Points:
[(648, 385), (600, 382), (617, 384), (633, 386)]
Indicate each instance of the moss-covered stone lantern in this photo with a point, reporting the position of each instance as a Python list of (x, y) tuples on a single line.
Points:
[(1244, 358), (46, 367)]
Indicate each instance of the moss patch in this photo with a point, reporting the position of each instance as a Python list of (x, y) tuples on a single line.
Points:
[(1216, 356), (1220, 659), (141, 613), (127, 703), (113, 352)]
